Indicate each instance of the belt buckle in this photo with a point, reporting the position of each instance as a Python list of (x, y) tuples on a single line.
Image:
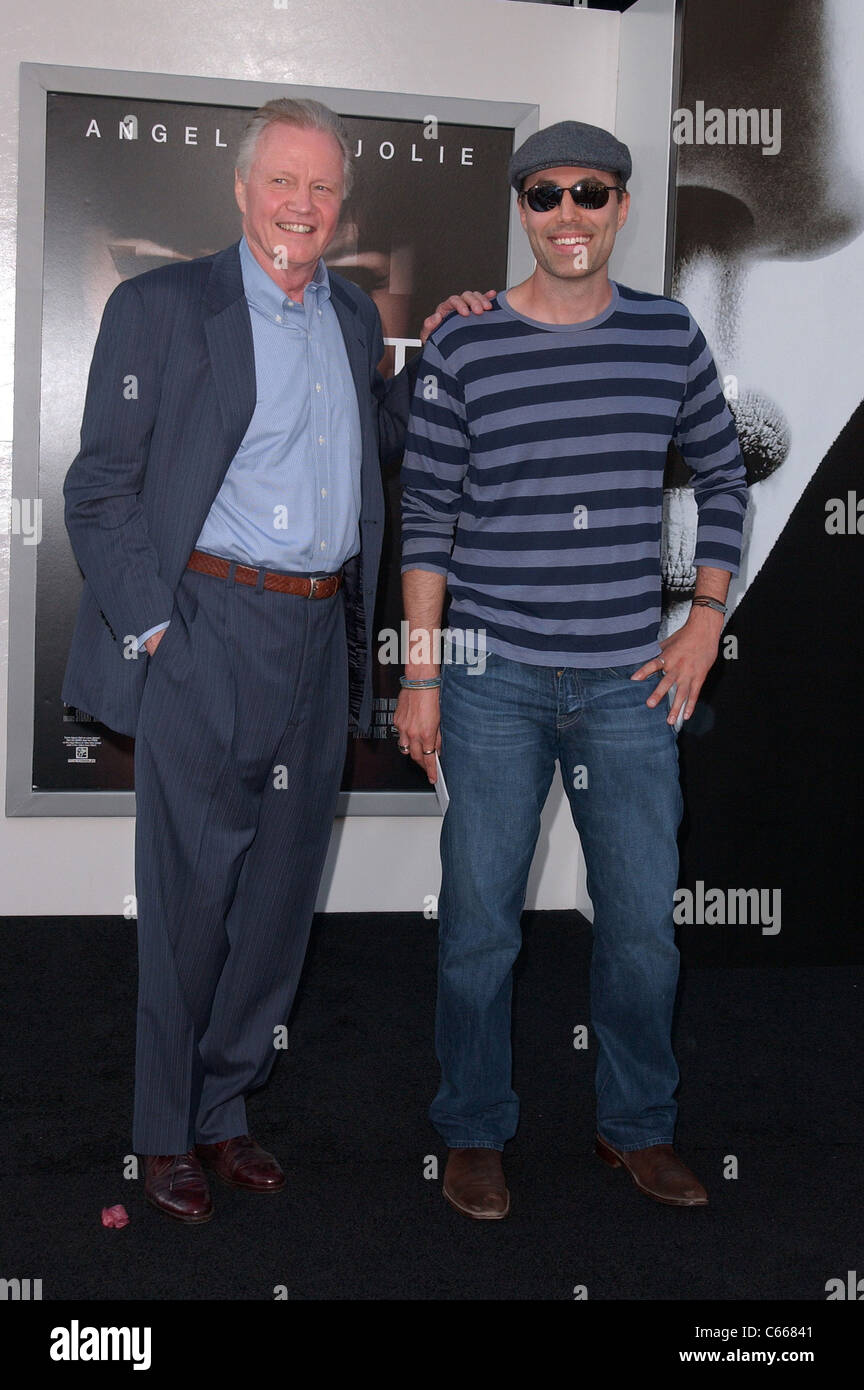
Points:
[(313, 586)]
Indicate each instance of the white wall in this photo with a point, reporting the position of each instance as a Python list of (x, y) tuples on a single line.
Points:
[(564, 60), (643, 110)]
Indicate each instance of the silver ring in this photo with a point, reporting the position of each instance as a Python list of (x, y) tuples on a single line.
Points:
[(403, 748), (427, 752)]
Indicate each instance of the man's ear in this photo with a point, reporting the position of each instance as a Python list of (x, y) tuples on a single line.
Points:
[(240, 192), (623, 208)]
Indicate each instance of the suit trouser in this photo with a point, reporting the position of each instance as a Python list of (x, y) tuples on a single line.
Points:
[(238, 757)]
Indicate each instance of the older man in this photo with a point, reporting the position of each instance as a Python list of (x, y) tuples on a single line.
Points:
[(226, 509), (541, 453)]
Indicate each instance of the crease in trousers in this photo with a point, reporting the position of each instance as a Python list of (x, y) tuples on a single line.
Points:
[(239, 753)]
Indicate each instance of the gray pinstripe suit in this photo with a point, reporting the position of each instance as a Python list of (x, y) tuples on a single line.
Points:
[(229, 852)]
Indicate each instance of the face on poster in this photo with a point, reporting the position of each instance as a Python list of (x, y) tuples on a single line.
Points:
[(131, 185), (769, 245)]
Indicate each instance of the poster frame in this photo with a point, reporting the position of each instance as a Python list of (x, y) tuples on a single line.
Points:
[(37, 80)]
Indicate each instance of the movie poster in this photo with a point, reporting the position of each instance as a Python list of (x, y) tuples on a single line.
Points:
[(132, 184), (769, 257)]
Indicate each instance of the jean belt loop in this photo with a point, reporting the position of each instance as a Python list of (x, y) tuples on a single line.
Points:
[(259, 582), (229, 578)]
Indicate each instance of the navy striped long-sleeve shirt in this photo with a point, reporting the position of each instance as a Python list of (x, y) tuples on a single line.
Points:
[(533, 474)]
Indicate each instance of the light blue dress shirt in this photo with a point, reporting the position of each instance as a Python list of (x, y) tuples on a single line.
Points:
[(290, 499)]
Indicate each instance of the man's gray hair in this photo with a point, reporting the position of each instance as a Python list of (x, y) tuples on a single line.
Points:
[(308, 115)]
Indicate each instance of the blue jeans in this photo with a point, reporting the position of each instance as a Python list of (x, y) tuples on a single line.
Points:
[(502, 731)]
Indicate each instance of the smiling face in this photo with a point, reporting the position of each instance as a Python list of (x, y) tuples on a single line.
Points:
[(572, 243), (291, 200)]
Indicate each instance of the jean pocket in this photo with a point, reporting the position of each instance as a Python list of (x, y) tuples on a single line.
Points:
[(625, 672), (471, 662)]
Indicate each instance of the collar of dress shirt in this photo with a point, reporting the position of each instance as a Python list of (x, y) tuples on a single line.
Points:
[(264, 294)]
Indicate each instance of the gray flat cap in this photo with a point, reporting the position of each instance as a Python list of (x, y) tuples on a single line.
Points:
[(570, 143)]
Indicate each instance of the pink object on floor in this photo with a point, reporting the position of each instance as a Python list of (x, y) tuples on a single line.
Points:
[(115, 1217)]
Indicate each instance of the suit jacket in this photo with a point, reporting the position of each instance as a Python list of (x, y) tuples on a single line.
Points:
[(170, 396)]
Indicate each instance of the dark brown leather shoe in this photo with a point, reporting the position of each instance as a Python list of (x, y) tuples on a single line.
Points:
[(175, 1183), (658, 1172), (242, 1162), (474, 1184)]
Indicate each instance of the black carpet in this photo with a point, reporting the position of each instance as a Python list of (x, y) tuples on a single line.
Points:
[(770, 1062)]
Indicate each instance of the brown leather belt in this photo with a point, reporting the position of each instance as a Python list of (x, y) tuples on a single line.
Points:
[(304, 586)]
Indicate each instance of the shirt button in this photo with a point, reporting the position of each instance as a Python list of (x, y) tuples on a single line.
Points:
[(278, 318), (320, 439), (323, 492), (319, 313), (323, 545), (317, 385)]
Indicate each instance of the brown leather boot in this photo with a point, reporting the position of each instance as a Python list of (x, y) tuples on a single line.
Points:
[(241, 1162), (474, 1184), (658, 1172), (175, 1183)]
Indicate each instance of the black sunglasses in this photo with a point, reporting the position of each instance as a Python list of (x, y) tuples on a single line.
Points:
[(587, 193)]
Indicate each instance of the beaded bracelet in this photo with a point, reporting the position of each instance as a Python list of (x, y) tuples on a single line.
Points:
[(431, 684)]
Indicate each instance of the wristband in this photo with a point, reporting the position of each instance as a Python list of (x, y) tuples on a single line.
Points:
[(431, 684), (706, 601)]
